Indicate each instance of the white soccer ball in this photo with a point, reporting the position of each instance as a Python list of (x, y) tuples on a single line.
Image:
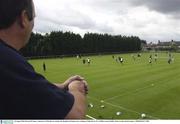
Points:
[(143, 115), (118, 113), (102, 101), (91, 105), (152, 84), (102, 106)]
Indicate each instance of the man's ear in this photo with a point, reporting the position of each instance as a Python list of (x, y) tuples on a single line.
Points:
[(23, 19)]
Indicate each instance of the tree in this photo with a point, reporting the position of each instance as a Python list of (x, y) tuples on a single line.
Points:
[(61, 43)]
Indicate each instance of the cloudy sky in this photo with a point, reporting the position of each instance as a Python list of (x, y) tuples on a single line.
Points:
[(151, 20)]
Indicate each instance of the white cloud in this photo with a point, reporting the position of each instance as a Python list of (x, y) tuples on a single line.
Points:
[(148, 20)]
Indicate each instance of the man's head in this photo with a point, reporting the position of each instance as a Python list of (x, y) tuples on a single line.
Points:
[(17, 16)]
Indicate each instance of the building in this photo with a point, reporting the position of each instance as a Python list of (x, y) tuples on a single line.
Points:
[(169, 45)]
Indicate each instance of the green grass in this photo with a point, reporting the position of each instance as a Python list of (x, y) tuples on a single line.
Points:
[(133, 88)]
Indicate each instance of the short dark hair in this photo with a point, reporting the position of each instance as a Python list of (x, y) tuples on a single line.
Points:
[(11, 9)]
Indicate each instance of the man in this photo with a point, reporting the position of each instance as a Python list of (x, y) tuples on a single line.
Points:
[(169, 60), (150, 56), (139, 55), (84, 61), (150, 59), (88, 61), (44, 66), (156, 57), (133, 57), (24, 93), (121, 60)]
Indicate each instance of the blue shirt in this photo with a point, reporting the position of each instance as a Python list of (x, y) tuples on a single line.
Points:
[(25, 94)]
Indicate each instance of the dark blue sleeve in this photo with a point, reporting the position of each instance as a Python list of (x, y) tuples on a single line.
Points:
[(27, 95)]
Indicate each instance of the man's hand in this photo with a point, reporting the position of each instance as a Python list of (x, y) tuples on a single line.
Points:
[(79, 90), (72, 79), (80, 86)]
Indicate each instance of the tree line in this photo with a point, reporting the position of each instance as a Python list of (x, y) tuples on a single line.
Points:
[(68, 43)]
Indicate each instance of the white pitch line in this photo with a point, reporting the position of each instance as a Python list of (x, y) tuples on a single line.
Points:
[(163, 57), (121, 107), (130, 110), (135, 91), (90, 117), (128, 93)]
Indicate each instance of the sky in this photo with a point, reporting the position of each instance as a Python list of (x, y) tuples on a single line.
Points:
[(150, 20)]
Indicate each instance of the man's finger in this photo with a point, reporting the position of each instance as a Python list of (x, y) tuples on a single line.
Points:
[(77, 77)]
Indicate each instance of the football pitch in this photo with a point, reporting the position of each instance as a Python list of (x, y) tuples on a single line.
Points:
[(135, 89)]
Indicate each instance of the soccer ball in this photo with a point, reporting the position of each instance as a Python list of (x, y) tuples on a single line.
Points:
[(143, 115), (91, 105), (118, 113), (102, 106), (102, 101)]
